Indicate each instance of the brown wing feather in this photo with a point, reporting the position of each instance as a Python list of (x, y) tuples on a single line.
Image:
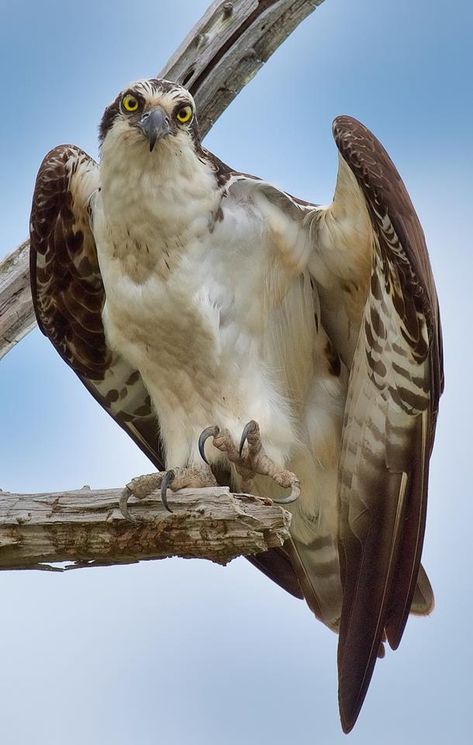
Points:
[(68, 294), (395, 384)]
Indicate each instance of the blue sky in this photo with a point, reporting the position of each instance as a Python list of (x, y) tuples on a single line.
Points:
[(184, 652)]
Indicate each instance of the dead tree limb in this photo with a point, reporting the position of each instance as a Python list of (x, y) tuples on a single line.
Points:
[(16, 307), (86, 528), (221, 54)]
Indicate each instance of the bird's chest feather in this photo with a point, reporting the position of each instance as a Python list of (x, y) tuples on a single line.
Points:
[(181, 281), (166, 318)]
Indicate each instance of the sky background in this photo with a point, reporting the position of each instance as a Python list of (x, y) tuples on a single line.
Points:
[(185, 652)]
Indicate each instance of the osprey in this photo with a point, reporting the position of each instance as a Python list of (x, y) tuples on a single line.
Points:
[(236, 332)]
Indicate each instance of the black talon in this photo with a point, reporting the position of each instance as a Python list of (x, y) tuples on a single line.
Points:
[(244, 435), (168, 478), (204, 436), (123, 505)]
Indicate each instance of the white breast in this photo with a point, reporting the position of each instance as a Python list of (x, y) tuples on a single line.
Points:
[(186, 304)]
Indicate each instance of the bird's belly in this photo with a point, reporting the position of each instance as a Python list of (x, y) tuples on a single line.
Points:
[(199, 368), (166, 334)]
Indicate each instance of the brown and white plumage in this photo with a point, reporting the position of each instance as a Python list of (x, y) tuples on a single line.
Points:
[(185, 294)]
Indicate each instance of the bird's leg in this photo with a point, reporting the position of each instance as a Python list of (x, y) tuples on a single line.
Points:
[(250, 458), (261, 463), (141, 487)]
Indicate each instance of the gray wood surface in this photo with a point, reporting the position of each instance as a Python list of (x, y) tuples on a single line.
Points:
[(215, 61), (86, 528), (16, 308)]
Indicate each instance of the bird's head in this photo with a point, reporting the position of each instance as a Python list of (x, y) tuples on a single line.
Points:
[(150, 114)]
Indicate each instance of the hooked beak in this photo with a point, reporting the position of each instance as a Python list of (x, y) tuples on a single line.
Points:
[(154, 124)]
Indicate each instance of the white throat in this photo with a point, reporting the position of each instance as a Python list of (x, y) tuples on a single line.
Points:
[(154, 205), (170, 187)]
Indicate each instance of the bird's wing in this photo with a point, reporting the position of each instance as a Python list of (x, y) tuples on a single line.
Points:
[(68, 294), (379, 306), (396, 379)]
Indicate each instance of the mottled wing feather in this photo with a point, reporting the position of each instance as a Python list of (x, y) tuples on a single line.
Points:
[(68, 294), (395, 384)]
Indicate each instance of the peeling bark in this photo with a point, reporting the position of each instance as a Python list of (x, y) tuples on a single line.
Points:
[(86, 528)]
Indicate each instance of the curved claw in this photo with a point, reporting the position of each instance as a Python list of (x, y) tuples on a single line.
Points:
[(295, 493), (123, 505), (248, 429), (204, 436), (168, 478)]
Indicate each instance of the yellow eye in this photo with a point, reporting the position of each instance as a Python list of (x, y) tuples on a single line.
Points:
[(184, 115), (130, 103)]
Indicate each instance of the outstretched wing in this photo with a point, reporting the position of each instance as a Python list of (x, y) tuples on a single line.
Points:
[(396, 379), (68, 294)]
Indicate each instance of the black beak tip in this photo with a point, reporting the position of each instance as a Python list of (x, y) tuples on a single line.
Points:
[(154, 124)]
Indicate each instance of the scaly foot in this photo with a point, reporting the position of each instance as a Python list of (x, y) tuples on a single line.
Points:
[(177, 478), (250, 458)]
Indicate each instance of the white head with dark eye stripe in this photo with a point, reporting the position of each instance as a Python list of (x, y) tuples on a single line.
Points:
[(151, 113)]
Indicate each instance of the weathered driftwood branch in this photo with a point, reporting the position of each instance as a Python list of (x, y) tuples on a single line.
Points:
[(86, 527), (220, 55), (16, 307)]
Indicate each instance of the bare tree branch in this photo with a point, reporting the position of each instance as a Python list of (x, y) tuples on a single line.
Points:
[(16, 307), (219, 56), (86, 527)]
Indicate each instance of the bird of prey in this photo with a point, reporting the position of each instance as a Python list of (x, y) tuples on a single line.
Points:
[(238, 333)]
